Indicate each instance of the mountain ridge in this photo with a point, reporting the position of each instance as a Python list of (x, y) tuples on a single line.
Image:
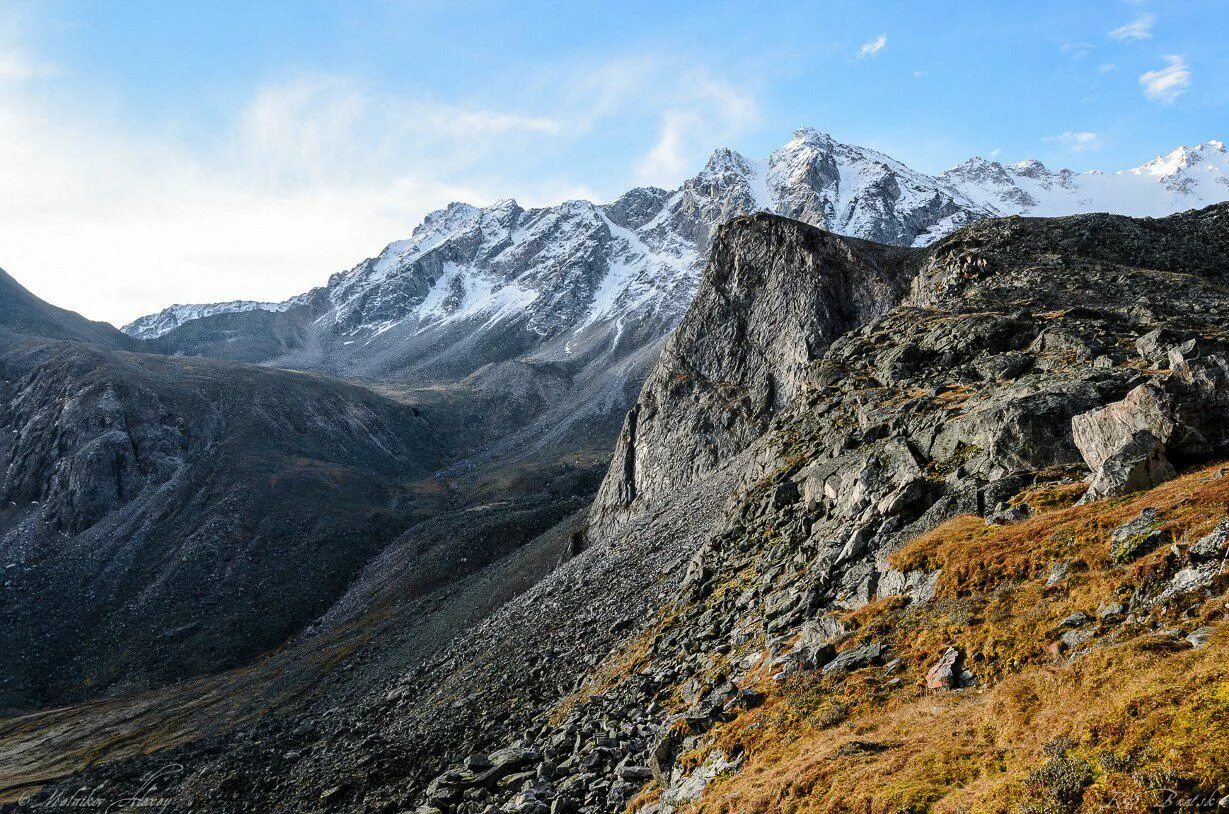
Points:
[(736, 185)]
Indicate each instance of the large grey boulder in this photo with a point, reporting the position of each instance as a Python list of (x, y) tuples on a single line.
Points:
[(1101, 433), (1124, 443), (1138, 464)]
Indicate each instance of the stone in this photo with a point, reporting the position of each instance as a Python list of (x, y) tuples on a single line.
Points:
[(1074, 639), (663, 752), (856, 658), (621, 794), (1077, 619), (1099, 433), (945, 673), (634, 773), (1137, 537), (1059, 571), (1111, 611), (1154, 346), (1137, 465), (513, 758), (1199, 637), (688, 789), (1213, 545), (1189, 580), (477, 763)]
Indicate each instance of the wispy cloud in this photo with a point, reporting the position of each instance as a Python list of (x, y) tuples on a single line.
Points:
[(705, 111), (1165, 85), (16, 67), (311, 173), (1106, 67), (1077, 50), (1077, 141), (1135, 31), (873, 47)]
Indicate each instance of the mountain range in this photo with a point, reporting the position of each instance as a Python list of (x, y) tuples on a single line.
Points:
[(577, 299)]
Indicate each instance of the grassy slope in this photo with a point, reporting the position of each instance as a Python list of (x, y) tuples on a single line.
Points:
[(1122, 724)]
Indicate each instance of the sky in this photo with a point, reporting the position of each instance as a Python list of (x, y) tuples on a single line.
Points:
[(157, 152)]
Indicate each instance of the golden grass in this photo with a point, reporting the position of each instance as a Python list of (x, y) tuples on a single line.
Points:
[(1140, 713)]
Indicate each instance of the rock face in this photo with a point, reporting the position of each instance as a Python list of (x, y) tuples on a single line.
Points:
[(776, 295), (947, 382)]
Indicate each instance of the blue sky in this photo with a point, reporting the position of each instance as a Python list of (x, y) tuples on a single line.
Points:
[(161, 151)]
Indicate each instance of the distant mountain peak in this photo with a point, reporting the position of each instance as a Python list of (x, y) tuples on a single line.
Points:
[(580, 268)]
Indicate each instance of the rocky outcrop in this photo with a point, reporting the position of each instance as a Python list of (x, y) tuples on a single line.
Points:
[(776, 295)]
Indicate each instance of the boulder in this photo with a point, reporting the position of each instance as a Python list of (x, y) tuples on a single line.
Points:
[(634, 773), (509, 760), (856, 658), (1124, 443), (1077, 619), (663, 753), (1154, 346), (1074, 639), (1137, 537), (1111, 611), (1213, 545), (1189, 580), (1100, 433), (945, 673), (1199, 637), (1137, 465)]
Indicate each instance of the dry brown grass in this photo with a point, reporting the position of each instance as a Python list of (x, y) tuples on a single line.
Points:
[(1140, 712), (974, 557)]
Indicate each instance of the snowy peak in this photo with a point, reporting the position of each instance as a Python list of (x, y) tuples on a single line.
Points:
[(580, 268), (1187, 178), (156, 325)]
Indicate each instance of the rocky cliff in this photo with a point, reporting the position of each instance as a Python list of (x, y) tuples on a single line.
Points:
[(775, 295)]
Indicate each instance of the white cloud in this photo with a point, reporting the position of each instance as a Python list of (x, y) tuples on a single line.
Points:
[(872, 48), (1106, 67), (1077, 141), (996, 152), (1135, 31), (704, 112), (1165, 85), (920, 74), (16, 66), (1077, 50), (311, 176)]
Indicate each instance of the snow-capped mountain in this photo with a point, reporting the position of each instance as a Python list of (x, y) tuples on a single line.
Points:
[(1187, 178), (153, 326), (571, 302)]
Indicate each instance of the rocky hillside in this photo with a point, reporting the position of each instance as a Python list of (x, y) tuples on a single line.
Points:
[(163, 518), (23, 313), (893, 529)]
